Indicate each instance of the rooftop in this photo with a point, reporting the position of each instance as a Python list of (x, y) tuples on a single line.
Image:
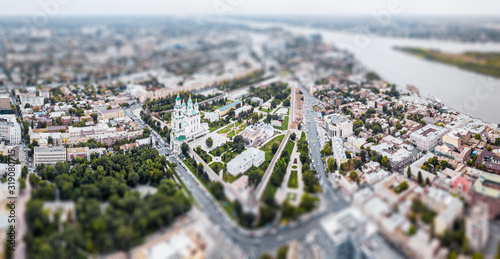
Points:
[(488, 185)]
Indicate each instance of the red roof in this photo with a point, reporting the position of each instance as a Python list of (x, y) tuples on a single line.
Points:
[(462, 182)]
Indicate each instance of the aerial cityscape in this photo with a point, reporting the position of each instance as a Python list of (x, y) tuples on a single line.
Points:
[(238, 129)]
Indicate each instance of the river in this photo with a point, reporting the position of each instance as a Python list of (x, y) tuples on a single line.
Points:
[(468, 92)]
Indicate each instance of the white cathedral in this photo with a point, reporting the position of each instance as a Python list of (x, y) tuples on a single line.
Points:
[(186, 123)]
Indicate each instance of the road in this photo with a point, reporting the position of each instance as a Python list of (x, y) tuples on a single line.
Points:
[(255, 243), (23, 197), (330, 194)]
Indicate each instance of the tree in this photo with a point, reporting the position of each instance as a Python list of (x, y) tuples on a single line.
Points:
[(253, 177), (293, 136), (332, 166), (217, 189), (237, 208), (132, 179), (353, 175), (401, 187), (282, 252), (185, 149), (199, 169), (477, 137), (385, 161), (427, 181), (412, 230), (267, 214), (408, 172), (419, 178), (307, 202), (274, 148), (209, 141), (50, 140), (288, 211), (24, 172)]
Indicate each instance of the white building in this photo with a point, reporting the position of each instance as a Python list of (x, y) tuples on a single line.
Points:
[(339, 151), (186, 124), (49, 155), (477, 226), (242, 109), (211, 116), (448, 208), (427, 137), (350, 234), (338, 126), (244, 161), (256, 100), (10, 129)]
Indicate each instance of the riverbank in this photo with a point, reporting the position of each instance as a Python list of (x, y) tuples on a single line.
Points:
[(486, 63)]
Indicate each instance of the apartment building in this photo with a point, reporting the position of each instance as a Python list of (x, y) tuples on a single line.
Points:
[(49, 155), (4, 102), (10, 129), (427, 137), (110, 114)]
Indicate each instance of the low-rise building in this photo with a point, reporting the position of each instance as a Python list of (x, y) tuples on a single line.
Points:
[(427, 137), (49, 155), (257, 100), (487, 189), (110, 114), (244, 161), (490, 161), (226, 108), (212, 116), (350, 234), (338, 126), (72, 153), (447, 206)]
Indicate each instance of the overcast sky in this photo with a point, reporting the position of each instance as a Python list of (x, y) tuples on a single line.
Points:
[(249, 7)]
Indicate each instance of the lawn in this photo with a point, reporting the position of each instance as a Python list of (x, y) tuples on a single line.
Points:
[(270, 191), (289, 147), (221, 150), (284, 125), (219, 166), (226, 129), (230, 178), (228, 156), (238, 131), (230, 127), (293, 182), (267, 148), (260, 170), (213, 128)]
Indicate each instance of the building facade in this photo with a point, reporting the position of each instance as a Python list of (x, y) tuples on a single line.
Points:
[(49, 155), (110, 114), (244, 161), (186, 123), (428, 137), (10, 129), (338, 126)]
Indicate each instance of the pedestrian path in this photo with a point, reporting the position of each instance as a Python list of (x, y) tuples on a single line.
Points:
[(294, 194)]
